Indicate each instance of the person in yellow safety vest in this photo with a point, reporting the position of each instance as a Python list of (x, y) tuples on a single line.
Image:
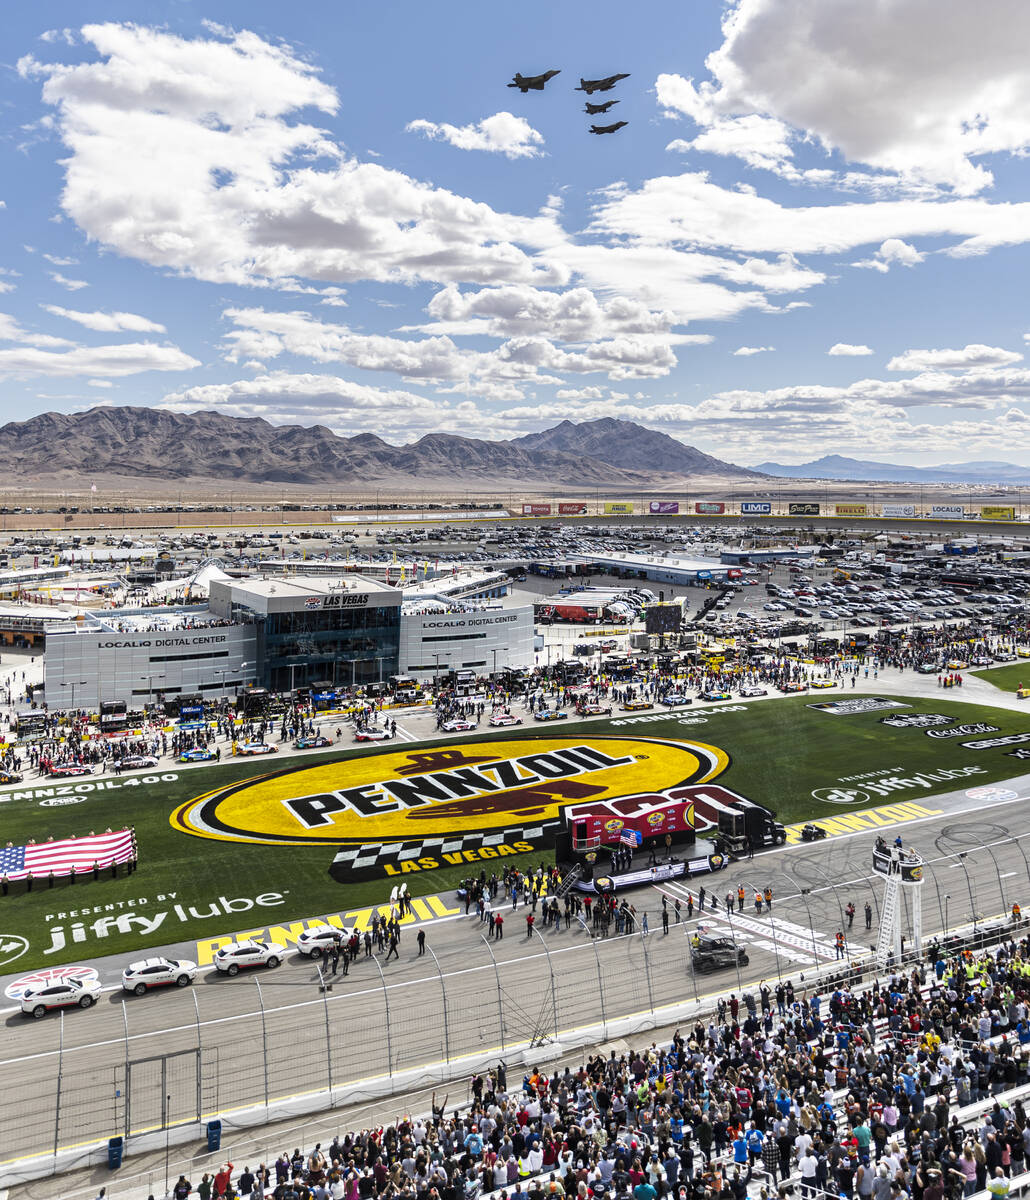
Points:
[(1017, 912)]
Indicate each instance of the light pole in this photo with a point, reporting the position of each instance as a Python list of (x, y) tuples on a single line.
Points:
[(150, 686), (73, 684), (946, 899)]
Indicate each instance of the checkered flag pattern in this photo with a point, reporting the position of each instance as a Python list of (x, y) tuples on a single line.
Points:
[(373, 855)]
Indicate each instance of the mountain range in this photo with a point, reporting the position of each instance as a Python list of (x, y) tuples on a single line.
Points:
[(157, 444), (833, 466)]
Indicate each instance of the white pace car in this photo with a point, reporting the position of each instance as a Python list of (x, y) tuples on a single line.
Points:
[(238, 956), (140, 977), (67, 993)]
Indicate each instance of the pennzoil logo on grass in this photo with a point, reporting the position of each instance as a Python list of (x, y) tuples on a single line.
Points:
[(418, 795)]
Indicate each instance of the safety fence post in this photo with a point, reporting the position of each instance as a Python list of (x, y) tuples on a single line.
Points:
[(386, 1003), (443, 996), (600, 977), (500, 996), (264, 1041), (550, 968)]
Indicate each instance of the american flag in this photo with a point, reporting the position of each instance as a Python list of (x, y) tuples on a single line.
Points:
[(629, 837), (19, 862)]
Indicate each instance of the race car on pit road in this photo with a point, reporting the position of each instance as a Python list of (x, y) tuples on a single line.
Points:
[(251, 748), (712, 694), (594, 710), (66, 993), (457, 725), (200, 754), (550, 714), (499, 719), (238, 956), (636, 705), (131, 761), (753, 690), (140, 977), (62, 770), (372, 735), (676, 699), (311, 742)]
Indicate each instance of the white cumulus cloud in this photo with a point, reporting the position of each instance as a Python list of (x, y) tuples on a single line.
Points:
[(503, 133), (871, 87), (107, 322), (848, 350), (748, 351), (968, 358)]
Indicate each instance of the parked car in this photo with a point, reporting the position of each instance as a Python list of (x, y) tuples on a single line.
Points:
[(140, 977), (237, 956), (66, 993)]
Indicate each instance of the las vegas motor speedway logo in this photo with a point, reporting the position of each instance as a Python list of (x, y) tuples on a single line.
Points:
[(472, 794)]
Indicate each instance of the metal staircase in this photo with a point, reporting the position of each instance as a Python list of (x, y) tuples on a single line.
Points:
[(568, 880), (889, 932)]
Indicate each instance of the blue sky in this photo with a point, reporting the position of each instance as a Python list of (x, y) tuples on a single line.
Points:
[(812, 236)]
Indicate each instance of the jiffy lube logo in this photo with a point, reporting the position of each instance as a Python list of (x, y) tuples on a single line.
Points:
[(417, 795)]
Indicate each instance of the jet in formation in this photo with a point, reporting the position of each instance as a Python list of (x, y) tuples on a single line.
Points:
[(594, 109), (525, 83), (608, 128), (599, 85)]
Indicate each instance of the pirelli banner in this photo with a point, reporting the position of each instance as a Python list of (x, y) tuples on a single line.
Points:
[(618, 508), (997, 512), (898, 510), (572, 508), (851, 510), (803, 508)]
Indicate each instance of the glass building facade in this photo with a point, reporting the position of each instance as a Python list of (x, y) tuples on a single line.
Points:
[(313, 631)]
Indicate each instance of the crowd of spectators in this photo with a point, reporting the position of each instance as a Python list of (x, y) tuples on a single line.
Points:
[(846, 1092)]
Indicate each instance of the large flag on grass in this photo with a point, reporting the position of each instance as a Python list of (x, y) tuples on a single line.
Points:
[(103, 850)]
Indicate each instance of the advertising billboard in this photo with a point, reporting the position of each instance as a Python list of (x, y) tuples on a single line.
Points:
[(804, 508), (536, 510), (755, 508), (851, 510), (572, 508), (617, 508), (663, 507), (709, 508), (898, 510), (947, 512), (997, 512)]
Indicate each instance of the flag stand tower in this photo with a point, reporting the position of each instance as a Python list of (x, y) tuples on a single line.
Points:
[(902, 872)]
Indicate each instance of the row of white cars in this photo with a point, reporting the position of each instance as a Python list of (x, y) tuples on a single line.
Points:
[(150, 973)]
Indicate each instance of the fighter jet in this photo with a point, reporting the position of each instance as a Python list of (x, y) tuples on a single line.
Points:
[(599, 85), (593, 109), (608, 128), (536, 82)]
